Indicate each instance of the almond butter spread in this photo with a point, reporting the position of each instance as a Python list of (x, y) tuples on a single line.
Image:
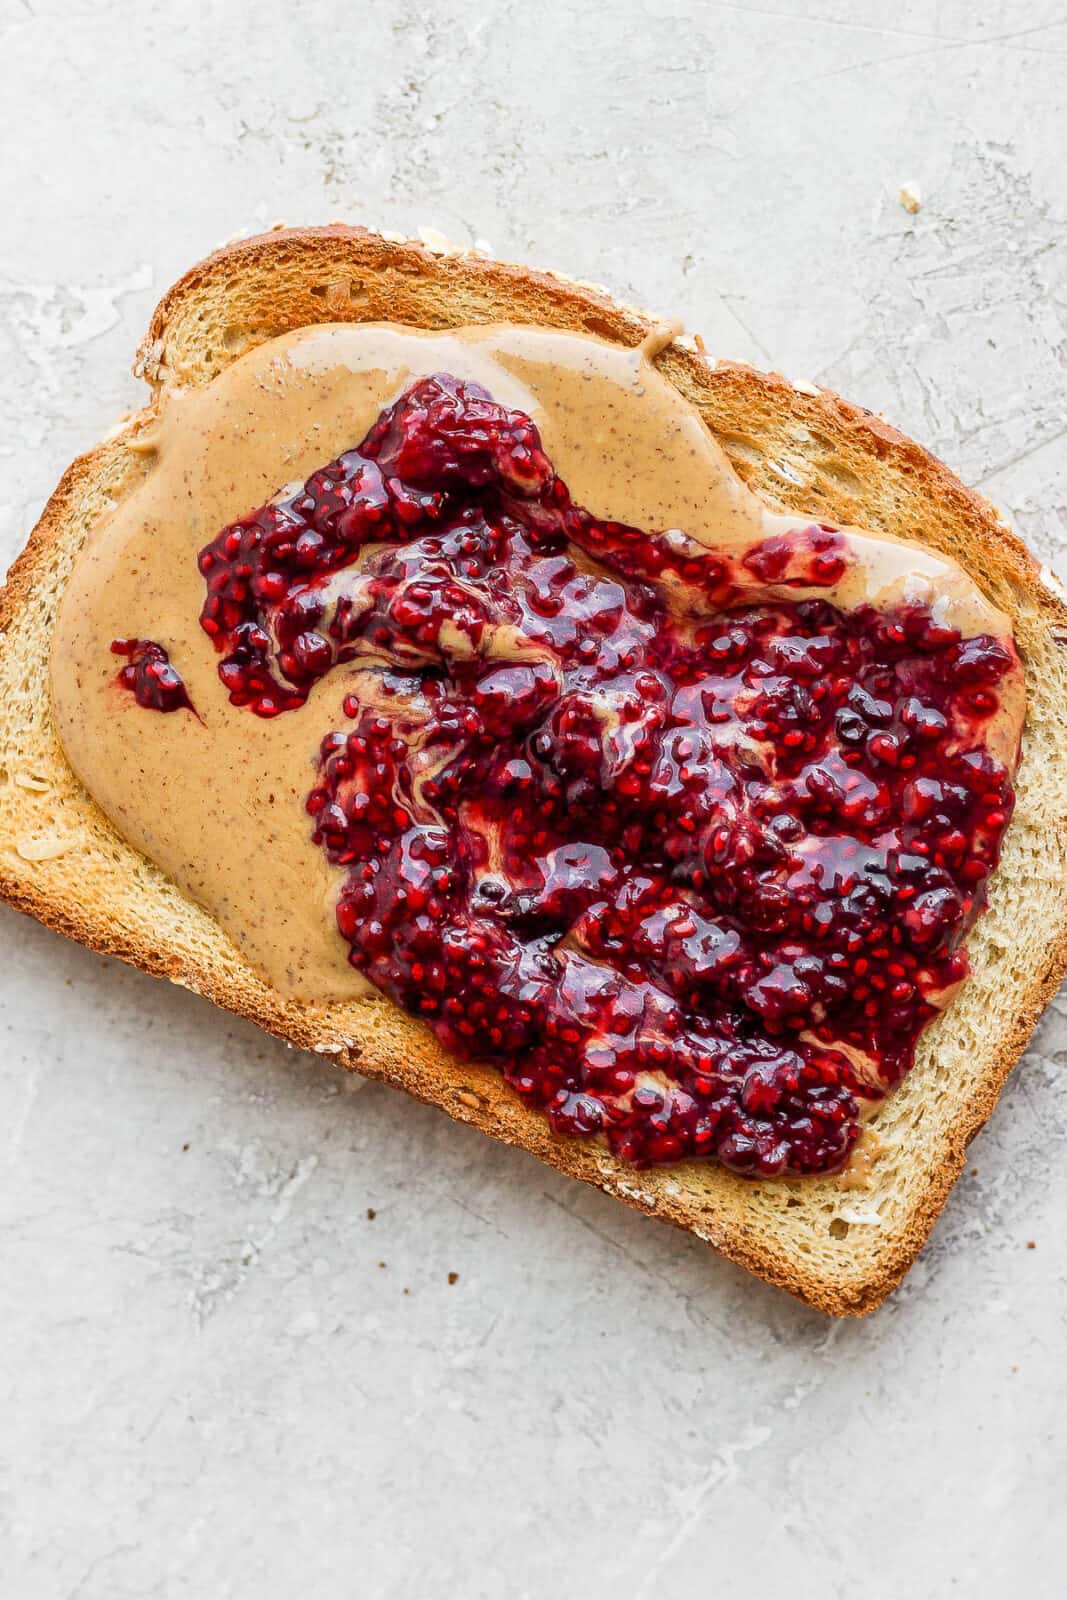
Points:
[(634, 814)]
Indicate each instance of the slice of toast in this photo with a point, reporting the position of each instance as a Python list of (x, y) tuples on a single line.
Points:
[(839, 1245)]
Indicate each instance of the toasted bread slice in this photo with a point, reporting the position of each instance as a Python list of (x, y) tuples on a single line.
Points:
[(839, 1246)]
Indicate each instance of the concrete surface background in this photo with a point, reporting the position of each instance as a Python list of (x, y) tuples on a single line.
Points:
[(218, 1376)]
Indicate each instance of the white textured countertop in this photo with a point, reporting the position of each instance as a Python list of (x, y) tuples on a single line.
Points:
[(219, 1376)]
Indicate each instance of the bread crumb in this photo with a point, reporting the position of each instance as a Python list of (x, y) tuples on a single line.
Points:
[(1031, 1244), (45, 847), (910, 198), (453, 1277), (371, 1213), (598, 288), (435, 241), (147, 361), (1052, 583)]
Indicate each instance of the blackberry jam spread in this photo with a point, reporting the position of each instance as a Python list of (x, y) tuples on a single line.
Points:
[(678, 817)]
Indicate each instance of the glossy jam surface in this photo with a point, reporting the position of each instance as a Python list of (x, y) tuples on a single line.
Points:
[(150, 677), (692, 871)]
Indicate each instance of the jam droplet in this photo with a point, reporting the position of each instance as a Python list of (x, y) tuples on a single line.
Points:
[(150, 677)]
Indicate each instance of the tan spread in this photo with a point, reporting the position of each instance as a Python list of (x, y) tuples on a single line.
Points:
[(218, 803)]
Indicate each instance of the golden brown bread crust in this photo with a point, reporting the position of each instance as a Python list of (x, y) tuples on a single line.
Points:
[(853, 466)]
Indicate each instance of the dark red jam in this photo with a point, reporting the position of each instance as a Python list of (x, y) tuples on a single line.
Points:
[(149, 676), (694, 877)]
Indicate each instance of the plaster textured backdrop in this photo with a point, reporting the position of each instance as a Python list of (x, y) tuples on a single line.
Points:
[(218, 1376)]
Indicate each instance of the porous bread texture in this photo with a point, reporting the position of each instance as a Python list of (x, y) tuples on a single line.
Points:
[(838, 1246)]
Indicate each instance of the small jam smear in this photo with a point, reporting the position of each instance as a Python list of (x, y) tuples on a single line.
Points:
[(150, 677), (683, 849)]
